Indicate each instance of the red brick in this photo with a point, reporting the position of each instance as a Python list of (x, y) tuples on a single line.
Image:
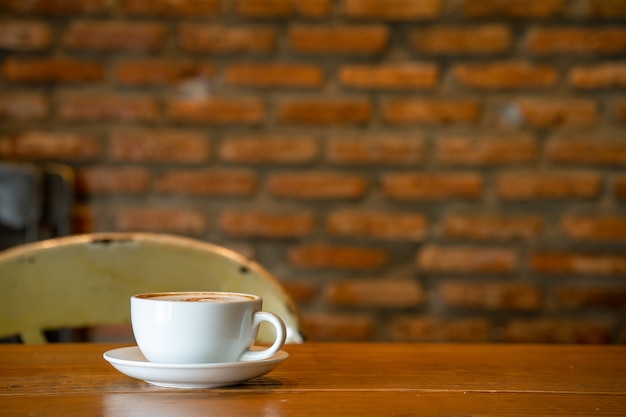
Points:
[(199, 37), (84, 219), (275, 75), (389, 76), (317, 185), (518, 9), (602, 9), (168, 8), (542, 112), (109, 35), (620, 111), (160, 219), (149, 145), (301, 291), (23, 106), (619, 184), (217, 111), (338, 327), (56, 7), (430, 111), (459, 40), (486, 150), (432, 186), (45, 70), (266, 224), (592, 150), (585, 296), (325, 111), (577, 40), (575, 263), (594, 228), (376, 150), (24, 35), (273, 149), (484, 227), (528, 185), (346, 40), (154, 72), (49, 145), (113, 180), (557, 331), (375, 293), (392, 9), (600, 75), (466, 260), (494, 296), (505, 75), (283, 8), (377, 225), (214, 182), (434, 329), (337, 257), (84, 107)]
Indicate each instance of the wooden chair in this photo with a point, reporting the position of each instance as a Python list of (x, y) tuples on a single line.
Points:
[(87, 280)]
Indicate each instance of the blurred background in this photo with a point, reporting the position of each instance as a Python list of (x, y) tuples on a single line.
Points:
[(410, 170)]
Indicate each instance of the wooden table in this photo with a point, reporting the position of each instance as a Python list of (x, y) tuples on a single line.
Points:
[(332, 379)]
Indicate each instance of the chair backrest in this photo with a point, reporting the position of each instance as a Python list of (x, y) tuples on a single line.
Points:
[(20, 202), (87, 280)]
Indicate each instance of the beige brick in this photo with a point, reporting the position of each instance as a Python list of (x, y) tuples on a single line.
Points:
[(266, 224), (493, 296), (435, 329), (316, 185), (337, 257), (375, 293), (467, 260), (381, 225), (211, 181), (432, 187)]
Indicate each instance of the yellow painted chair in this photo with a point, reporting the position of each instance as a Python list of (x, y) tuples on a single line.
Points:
[(87, 280)]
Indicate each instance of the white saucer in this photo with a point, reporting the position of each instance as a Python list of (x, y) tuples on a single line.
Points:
[(131, 362)]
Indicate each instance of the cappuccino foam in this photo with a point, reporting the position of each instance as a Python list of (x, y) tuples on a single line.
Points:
[(199, 297)]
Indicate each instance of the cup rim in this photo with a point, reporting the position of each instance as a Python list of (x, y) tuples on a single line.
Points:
[(239, 297)]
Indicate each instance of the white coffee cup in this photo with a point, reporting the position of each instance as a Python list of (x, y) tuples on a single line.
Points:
[(201, 327)]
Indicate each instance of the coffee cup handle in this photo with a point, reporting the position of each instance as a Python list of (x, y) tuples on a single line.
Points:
[(281, 334)]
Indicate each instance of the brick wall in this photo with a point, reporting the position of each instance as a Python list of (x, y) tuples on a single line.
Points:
[(412, 170)]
